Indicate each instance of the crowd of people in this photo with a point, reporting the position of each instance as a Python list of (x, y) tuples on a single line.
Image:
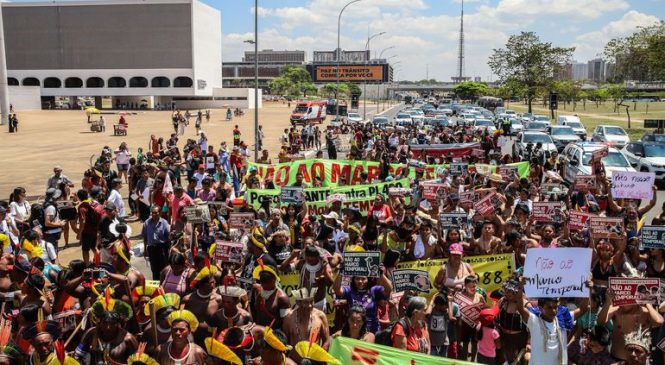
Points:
[(192, 308)]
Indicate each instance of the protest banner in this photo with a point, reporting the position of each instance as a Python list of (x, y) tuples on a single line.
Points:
[(507, 173), (470, 313), (557, 273), (491, 270), (476, 152), (399, 191), (228, 252), (453, 220), (459, 169), (632, 185), (355, 352), (197, 214), (606, 227), (547, 211), (433, 191), (331, 171), (652, 237), (579, 220), (407, 279), (244, 221), (292, 194), (466, 197), (484, 206), (628, 291), (362, 264), (585, 181)]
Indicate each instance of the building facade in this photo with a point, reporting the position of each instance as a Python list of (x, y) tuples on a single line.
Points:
[(597, 70), (271, 63), (160, 50)]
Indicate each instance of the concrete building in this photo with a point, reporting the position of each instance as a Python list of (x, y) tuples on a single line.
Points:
[(271, 63), (344, 56), (597, 70), (580, 71), (139, 53), (270, 56)]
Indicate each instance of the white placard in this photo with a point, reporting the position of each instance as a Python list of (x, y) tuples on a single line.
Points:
[(557, 272), (632, 185)]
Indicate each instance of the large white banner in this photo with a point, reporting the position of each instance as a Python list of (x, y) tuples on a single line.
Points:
[(557, 272)]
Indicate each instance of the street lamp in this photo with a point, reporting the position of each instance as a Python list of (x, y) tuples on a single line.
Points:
[(378, 86), (365, 83), (256, 80), (385, 49), (337, 52)]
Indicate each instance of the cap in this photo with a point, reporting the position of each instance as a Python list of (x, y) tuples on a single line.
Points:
[(456, 249), (202, 166), (53, 193), (109, 206)]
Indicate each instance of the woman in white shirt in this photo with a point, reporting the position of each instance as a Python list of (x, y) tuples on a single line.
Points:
[(122, 156), (115, 197), (19, 208)]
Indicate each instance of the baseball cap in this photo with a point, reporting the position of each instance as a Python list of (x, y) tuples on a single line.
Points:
[(456, 249)]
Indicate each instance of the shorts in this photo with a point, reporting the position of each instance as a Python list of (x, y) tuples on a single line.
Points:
[(88, 241), (123, 167)]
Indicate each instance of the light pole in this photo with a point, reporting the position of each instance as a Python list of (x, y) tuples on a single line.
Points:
[(385, 49), (396, 72), (337, 52), (378, 86), (365, 83)]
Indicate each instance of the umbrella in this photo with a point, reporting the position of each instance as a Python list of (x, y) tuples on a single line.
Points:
[(123, 113), (92, 110)]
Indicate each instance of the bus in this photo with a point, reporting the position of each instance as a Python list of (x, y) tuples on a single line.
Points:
[(490, 103)]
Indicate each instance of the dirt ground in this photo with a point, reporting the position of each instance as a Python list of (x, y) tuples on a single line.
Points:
[(63, 137)]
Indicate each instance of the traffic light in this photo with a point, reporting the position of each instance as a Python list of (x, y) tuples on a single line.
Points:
[(554, 100)]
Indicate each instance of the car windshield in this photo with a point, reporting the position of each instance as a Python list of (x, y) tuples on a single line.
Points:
[(535, 138), (301, 109), (574, 124), (536, 125), (514, 121), (561, 131), (403, 116), (657, 137), (354, 115), (380, 120), (484, 122), (541, 117), (613, 159), (615, 131), (654, 150)]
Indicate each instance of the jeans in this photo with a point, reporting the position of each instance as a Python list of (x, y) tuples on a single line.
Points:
[(157, 255), (441, 351)]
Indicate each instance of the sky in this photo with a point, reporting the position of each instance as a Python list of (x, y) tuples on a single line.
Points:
[(425, 33)]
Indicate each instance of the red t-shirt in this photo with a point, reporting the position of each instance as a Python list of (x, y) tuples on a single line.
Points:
[(382, 213), (416, 341)]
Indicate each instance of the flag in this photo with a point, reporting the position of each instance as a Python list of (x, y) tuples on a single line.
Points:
[(168, 186)]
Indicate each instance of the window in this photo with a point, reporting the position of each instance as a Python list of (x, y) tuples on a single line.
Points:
[(52, 83), (117, 82), (182, 81), (12, 81), (94, 82), (160, 81), (73, 82), (31, 81), (138, 81)]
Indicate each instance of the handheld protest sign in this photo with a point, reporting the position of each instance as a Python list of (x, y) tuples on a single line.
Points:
[(554, 273), (628, 291), (606, 227), (652, 237), (292, 194), (577, 221), (197, 214), (459, 169), (547, 211), (228, 252), (453, 220), (585, 181), (407, 279), (364, 263), (485, 206), (633, 185), (432, 191), (244, 221)]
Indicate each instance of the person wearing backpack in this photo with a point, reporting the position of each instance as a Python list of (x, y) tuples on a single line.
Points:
[(50, 219), (410, 332), (88, 224)]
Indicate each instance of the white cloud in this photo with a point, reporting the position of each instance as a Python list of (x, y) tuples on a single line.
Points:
[(588, 45), (571, 9)]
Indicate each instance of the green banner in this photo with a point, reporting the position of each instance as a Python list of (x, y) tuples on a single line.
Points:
[(332, 171), (350, 351), (356, 196)]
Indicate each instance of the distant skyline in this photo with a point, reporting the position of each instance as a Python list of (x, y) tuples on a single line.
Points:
[(425, 32)]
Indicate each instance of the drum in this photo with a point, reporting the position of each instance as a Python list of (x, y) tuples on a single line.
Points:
[(67, 212)]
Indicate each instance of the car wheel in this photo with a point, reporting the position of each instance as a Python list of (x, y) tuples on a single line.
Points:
[(644, 169)]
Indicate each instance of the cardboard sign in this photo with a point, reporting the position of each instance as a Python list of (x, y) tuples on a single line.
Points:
[(462, 300), (555, 273), (485, 205), (585, 181), (243, 221), (467, 196), (547, 211), (606, 227), (453, 220), (470, 313), (292, 194), (652, 237), (546, 189), (343, 142), (407, 279), (67, 320), (508, 173), (434, 191), (632, 185), (222, 207), (459, 169), (399, 191), (579, 220), (197, 214), (228, 252), (629, 291), (362, 264), (598, 154)]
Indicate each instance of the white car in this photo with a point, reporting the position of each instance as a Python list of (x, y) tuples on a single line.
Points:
[(417, 116), (541, 118), (516, 126), (646, 157), (466, 118), (403, 119), (527, 142), (611, 134), (573, 122), (578, 158), (484, 124), (354, 118)]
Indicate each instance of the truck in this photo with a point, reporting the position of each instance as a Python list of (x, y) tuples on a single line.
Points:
[(308, 111)]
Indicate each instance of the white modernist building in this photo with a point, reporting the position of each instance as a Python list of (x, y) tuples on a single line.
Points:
[(156, 51)]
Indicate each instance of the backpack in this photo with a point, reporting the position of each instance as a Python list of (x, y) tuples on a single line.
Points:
[(93, 215), (38, 215), (384, 337)]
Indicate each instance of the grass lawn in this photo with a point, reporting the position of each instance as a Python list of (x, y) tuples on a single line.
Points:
[(590, 122), (654, 110)]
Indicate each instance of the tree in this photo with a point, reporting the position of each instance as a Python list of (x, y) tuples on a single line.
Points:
[(470, 90), (617, 93), (354, 89), (293, 81), (333, 90), (639, 56), (529, 62)]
